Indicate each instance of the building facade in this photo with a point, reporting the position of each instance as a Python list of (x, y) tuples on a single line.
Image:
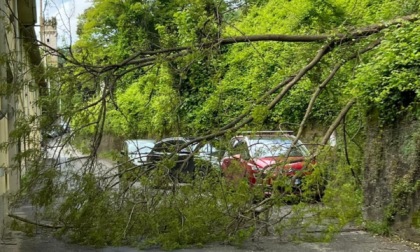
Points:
[(20, 80)]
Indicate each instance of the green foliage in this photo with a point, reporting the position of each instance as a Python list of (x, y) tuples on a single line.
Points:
[(205, 89), (40, 182), (259, 114), (389, 80), (380, 228), (402, 193), (28, 229), (193, 220), (194, 214), (146, 106), (81, 143), (92, 214), (416, 220), (341, 203)]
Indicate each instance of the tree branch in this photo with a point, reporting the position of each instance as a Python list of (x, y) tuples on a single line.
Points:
[(324, 50), (323, 85), (335, 39), (333, 126), (33, 222)]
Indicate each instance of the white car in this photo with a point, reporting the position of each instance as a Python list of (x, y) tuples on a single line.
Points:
[(136, 150)]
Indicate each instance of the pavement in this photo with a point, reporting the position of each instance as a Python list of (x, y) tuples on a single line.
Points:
[(348, 241)]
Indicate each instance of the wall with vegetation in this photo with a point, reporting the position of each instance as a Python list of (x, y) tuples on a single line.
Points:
[(392, 175)]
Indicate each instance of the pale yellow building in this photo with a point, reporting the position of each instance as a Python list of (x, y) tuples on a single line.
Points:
[(20, 80)]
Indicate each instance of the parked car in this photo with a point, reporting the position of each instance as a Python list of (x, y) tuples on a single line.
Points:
[(208, 153), (186, 161), (57, 129), (136, 150), (64, 126), (133, 159), (261, 157)]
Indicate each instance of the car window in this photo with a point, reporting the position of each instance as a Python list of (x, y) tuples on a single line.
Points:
[(159, 147), (208, 149), (187, 149), (134, 147), (241, 148), (272, 147), (171, 146)]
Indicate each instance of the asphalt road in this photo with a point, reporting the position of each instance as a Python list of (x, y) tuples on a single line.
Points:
[(349, 241), (71, 161)]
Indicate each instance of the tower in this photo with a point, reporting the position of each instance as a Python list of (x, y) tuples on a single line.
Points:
[(49, 37)]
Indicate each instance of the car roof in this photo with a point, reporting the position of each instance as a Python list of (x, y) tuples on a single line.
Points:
[(139, 141), (185, 139), (264, 134)]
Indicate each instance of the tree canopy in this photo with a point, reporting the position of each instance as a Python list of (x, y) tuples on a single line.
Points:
[(205, 83)]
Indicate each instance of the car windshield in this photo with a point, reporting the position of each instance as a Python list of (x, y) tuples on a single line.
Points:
[(207, 149), (139, 147), (273, 147)]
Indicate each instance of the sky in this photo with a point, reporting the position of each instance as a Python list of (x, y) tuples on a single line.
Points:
[(66, 12)]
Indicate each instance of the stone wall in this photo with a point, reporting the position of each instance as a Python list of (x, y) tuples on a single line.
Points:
[(392, 175), (110, 142)]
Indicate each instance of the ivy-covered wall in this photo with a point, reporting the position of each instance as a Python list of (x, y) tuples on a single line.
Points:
[(392, 174)]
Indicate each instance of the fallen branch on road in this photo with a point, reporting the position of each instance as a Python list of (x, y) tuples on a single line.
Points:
[(33, 222), (7, 243)]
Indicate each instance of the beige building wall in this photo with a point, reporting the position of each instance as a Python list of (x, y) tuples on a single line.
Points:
[(18, 92)]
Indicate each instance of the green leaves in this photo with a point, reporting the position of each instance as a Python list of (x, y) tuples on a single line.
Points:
[(260, 113), (390, 80)]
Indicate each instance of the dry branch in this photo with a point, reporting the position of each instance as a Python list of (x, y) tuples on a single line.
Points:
[(333, 126), (324, 84), (33, 222)]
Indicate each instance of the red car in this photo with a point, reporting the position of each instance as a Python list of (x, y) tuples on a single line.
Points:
[(260, 156)]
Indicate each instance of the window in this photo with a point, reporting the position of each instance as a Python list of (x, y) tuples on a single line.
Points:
[(242, 149)]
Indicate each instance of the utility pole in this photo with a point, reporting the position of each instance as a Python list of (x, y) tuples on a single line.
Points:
[(41, 22)]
